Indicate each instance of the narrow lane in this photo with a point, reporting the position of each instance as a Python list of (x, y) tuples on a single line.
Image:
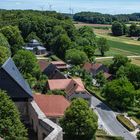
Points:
[(109, 121)]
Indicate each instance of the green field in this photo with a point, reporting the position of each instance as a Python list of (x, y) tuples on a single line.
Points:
[(118, 45), (134, 49)]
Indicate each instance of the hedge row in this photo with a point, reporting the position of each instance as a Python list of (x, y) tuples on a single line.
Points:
[(107, 137), (125, 122)]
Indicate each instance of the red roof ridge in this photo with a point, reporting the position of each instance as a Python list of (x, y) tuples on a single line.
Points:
[(52, 105)]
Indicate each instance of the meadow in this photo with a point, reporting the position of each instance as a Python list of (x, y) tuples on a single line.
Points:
[(123, 45)]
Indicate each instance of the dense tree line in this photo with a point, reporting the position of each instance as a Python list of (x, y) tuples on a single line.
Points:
[(119, 29), (55, 31), (98, 18)]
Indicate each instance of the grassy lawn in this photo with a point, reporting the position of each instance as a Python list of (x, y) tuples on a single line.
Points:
[(136, 61), (123, 45), (102, 135), (126, 123), (131, 49), (95, 92)]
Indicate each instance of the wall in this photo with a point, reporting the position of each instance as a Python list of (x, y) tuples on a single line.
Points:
[(23, 109), (45, 128)]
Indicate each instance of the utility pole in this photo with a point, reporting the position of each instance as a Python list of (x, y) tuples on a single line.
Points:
[(50, 7)]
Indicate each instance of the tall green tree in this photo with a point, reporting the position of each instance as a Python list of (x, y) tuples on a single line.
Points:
[(119, 93), (76, 57), (28, 66), (3, 41), (117, 28), (61, 45), (4, 54), (86, 37), (89, 50), (26, 62), (103, 45), (12, 33), (132, 72), (118, 61), (31, 36), (10, 125), (79, 121), (134, 30)]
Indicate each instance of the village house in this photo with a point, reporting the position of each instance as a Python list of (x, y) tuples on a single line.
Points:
[(95, 68), (60, 65), (17, 88), (74, 88), (51, 69), (35, 47), (19, 91), (53, 106)]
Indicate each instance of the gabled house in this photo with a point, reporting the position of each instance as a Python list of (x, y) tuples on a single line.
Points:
[(15, 85), (60, 65), (50, 70), (73, 88), (19, 91), (95, 68), (35, 47), (53, 106)]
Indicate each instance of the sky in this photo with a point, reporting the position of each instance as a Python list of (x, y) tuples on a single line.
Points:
[(73, 6)]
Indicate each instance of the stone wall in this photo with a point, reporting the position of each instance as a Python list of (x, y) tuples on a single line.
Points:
[(23, 108), (44, 128)]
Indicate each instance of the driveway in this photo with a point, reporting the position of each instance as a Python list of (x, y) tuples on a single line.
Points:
[(108, 121)]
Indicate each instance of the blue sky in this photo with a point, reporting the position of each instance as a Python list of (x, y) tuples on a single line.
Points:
[(104, 6)]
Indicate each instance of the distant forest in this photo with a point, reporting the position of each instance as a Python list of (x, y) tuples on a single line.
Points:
[(98, 18)]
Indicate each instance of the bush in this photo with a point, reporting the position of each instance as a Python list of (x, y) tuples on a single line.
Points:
[(131, 113), (107, 137), (138, 135), (125, 122), (138, 114)]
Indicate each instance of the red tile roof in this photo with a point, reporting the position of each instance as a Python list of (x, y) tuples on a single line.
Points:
[(59, 84), (52, 105), (68, 85), (43, 64), (90, 66)]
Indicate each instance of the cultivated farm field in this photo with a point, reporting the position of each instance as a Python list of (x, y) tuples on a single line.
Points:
[(122, 45)]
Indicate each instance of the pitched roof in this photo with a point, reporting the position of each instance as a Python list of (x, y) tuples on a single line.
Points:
[(68, 85), (43, 64), (60, 84), (52, 105), (10, 68), (90, 66), (59, 64), (57, 75)]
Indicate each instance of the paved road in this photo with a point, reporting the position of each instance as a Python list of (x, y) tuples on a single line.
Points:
[(108, 120), (110, 57)]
